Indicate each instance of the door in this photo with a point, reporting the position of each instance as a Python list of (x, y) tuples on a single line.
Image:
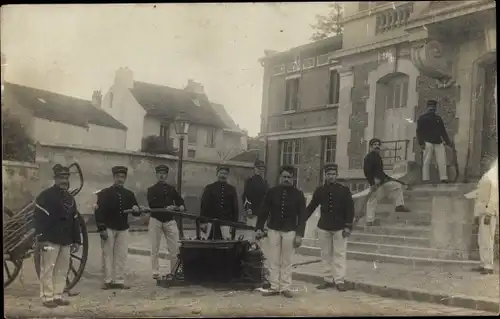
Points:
[(489, 139)]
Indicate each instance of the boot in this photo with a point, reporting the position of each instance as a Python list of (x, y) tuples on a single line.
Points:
[(49, 304), (402, 209), (326, 285), (287, 294), (62, 302)]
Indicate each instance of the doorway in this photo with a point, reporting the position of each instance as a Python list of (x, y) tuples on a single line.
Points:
[(489, 137)]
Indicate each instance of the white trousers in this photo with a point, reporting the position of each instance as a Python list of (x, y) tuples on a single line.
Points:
[(54, 265), (115, 256), (486, 241), (440, 151), (171, 232), (280, 254), (333, 254), (392, 190), (225, 230)]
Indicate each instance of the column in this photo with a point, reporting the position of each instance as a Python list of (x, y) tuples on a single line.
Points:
[(345, 110)]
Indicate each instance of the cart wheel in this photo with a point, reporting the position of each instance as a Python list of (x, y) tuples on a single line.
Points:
[(11, 269), (77, 261)]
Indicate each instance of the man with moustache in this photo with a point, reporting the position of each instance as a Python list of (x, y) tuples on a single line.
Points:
[(380, 183), (113, 226), (334, 226), (220, 201), (163, 195), (284, 209), (58, 235), (254, 192)]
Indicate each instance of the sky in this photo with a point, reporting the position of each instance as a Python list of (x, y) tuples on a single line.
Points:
[(76, 49)]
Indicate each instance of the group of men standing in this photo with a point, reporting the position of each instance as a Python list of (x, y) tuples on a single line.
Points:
[(281, 209)]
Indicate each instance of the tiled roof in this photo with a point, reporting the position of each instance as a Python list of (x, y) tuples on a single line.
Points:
[(246, 156), (226, 118), (61, 108), (166, 102)]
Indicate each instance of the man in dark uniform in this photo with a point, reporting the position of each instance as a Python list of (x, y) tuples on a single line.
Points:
[(380, 183), (254, 192), (163, 195), (432, 137), (219, 200), (58, 234), (284, 209), (113, 226), (334, 226)]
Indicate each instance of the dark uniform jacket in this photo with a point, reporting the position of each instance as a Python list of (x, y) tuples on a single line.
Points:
[(337, 207), (254, 191), (284, 209), (220, 200), (430, 129), (161, 195), (111, 202), (56, 217), (374, 167)]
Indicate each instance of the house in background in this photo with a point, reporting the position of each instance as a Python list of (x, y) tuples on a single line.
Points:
[(149, 110), (59, 119), (235, 139)]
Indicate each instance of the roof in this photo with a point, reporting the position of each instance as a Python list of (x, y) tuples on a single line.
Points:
[(226, 118), (335, 42), (246, 156), (167, 102), (61, 108)]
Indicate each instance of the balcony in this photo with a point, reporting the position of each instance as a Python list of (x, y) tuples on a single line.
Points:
[(303, 119), (393, 18)]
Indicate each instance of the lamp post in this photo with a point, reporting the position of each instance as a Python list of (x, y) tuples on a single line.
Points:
[(181, 125)]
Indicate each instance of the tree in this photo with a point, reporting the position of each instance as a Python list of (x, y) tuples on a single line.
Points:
[(154, 144), (17, 145), (329, 24)]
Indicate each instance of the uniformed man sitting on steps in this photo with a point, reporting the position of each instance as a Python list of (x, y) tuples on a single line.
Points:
[(163, 195), (58, 235), (380, 183), (334, 226), (113, 226)]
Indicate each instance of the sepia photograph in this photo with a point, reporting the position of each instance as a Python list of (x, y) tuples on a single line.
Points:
[(265, 159)]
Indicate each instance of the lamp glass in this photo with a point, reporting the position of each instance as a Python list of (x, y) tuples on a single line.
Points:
[(181, 126)]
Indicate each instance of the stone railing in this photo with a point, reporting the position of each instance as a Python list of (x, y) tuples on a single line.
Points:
[(324, 116), (393, 18)]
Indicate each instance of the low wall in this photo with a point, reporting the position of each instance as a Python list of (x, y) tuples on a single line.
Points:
[(19, 184), (96, 165)]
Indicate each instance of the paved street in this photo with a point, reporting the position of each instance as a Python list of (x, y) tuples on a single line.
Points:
[(146, 299)]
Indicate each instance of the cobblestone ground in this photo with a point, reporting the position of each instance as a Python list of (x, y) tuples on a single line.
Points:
[(146, 299)]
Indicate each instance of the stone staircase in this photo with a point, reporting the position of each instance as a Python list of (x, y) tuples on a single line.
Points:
[(409, 238)]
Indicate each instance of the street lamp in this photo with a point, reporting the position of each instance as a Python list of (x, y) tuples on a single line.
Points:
[(181, 125)]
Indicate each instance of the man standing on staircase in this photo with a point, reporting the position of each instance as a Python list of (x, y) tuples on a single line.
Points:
[(380, 184), (334, 226), (284, 209), (431, 134), (486, 210)]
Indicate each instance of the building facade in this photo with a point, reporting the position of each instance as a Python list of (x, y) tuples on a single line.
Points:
[(394, 56), (149, 110)]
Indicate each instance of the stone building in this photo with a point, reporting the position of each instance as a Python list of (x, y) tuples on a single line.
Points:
[(374, 81)]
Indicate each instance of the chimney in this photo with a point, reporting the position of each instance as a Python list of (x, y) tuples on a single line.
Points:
[(194, 87), (124, 78), (97, 99)]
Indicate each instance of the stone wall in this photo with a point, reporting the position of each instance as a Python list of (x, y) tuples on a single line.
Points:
[(19, 184), (358, 121), (96, 166)]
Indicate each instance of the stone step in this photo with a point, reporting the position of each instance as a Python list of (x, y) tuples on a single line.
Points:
[(398, 259), (389, 221), (395, 230), (378, 239)]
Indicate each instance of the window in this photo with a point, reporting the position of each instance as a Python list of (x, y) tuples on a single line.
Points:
[(333, 97), (397, 92), (191, 153), (192, 134), (330, 148), (211, 137), (290, 152), (165, 132), (292, 94)]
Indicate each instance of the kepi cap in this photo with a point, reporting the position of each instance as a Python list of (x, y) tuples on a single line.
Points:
[(374, 140), (331, 167), (119, 169), (287, 168), (60, 170), (162, 168), (259, 163), (222, 168), (432, 103)]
